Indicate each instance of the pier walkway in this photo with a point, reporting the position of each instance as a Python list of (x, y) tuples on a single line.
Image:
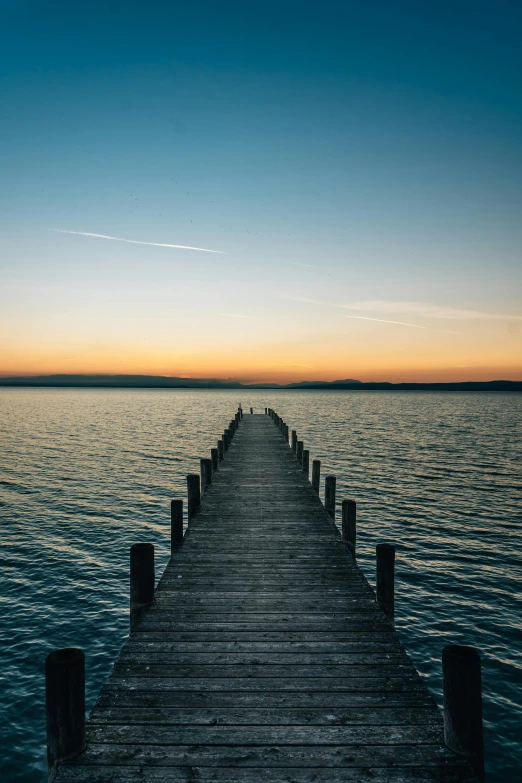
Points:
[(264, 656)]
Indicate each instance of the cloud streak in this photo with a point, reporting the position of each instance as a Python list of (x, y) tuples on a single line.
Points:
[(136, 241), (427, 310), (422, 309), (384, 321)]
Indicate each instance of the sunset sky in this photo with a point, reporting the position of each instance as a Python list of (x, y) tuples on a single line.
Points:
[(347, 176)]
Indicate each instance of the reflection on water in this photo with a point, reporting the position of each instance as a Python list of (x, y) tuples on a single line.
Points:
[(86, 473)]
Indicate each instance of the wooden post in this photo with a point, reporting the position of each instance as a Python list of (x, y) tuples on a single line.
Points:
[(385, 581), (220, 450), (64, 706), (306, 462), (141, 580), (266, 411), (463, 733), (251, 410), (294, 441), (214, 456), (226, 439), (316, 474), (194, 494), (348, 524), (329, 495), (299, 454), (206, 473), (176, 524)]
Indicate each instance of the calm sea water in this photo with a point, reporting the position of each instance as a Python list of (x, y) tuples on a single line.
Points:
[(86, 473)]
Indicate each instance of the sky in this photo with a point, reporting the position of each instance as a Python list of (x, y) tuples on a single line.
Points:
[(264, 191)]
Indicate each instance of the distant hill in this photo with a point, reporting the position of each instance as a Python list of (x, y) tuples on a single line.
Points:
[(165, 382), (121, 381)]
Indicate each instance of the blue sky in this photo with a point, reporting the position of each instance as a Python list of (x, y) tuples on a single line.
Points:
[(339, 153)]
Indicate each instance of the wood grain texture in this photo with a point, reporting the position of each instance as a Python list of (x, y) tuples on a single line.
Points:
[(264, 655)]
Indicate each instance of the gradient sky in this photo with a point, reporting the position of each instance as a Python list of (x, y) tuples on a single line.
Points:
[(357, 164)]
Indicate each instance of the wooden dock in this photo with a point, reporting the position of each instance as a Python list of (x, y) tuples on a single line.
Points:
[(264, 657)]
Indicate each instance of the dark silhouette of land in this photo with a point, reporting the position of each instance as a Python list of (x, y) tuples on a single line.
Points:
[(164, 382)]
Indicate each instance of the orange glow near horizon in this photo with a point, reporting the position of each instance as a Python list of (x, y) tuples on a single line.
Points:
[(270, 364), (259, 336)]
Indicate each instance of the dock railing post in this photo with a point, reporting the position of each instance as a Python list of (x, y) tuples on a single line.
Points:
[(306, 462), (385, 579), (251, 410), (316, 474), (220, 449), (226, 439), (329, 495), (294, 441), (348, 531), (193, 494), (214, 456), (299, 451), (176, 524), (141, 580), (266, 411), (64, 706), (463, 730), (206, 473)]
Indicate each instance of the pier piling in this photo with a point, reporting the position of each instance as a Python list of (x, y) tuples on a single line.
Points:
[(349, 524), (385, 579), (463, 730), (316, 474), (299, 451), (193, 494), (176, 524), (141, 580), (294, 441), (65, 706), (329, 495), (206, 473), (306, 462)]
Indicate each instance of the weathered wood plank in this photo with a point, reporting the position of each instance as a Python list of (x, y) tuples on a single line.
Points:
[(316, 736), (235, 774), (309, 684), (279, 716), (273, 671), (267, 756), (282, 700)]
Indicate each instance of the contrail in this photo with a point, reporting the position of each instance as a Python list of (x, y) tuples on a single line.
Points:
[(136, 241), (400, 323)]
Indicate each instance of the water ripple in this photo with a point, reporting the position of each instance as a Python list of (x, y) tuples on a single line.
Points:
[(86, 473)]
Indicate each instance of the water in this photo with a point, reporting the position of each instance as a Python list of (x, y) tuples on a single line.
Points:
[(86, 473)]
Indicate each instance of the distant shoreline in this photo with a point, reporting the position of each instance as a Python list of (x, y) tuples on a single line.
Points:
[(162, 382)]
